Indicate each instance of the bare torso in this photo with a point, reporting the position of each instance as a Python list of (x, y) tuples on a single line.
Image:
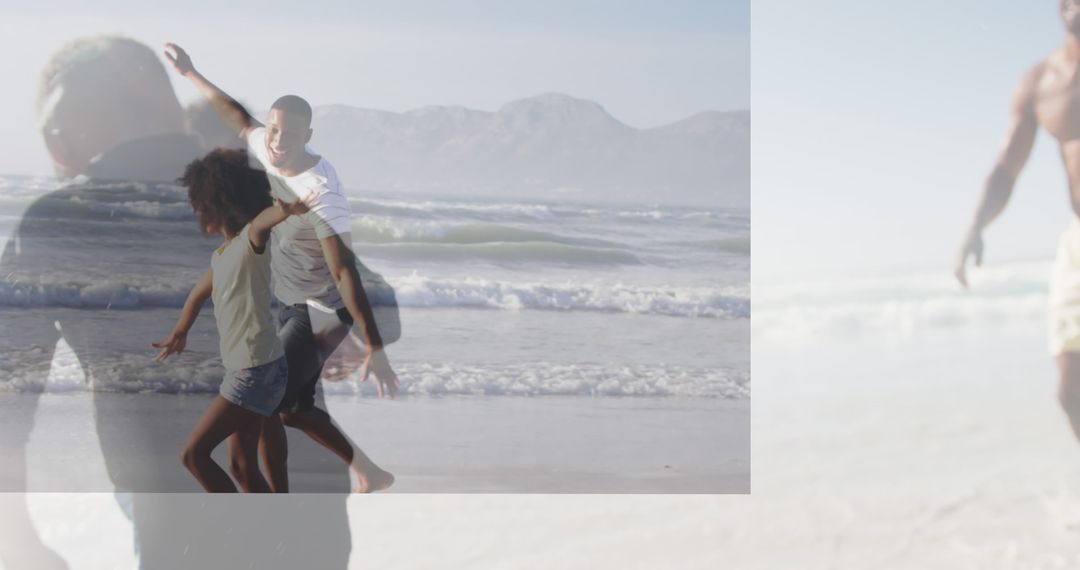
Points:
[(1048, 96), (1056, 104)]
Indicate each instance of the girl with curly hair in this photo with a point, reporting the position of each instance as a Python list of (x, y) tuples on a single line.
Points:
[(233, 200)]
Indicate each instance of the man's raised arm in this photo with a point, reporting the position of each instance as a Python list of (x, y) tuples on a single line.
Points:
[(1011, 160), (232, 113)]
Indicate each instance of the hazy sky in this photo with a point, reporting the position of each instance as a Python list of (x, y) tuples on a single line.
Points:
[(648, 63), (875, 125)]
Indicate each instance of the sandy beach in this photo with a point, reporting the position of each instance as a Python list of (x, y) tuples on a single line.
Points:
[(941, 450), (436, 445), (495, 482)]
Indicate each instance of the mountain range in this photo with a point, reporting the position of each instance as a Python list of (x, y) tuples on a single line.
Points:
[(549, 146)]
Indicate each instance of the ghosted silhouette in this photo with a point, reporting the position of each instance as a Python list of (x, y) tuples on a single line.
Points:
[(102, 262)]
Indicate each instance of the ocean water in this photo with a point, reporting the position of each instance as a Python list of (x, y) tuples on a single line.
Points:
[(1010, 296), (514, 298)]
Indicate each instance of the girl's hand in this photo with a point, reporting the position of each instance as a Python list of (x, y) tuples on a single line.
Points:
[(294, 208), (173, 345)]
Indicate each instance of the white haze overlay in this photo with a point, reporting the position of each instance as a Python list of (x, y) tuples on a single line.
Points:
[(496, 297)]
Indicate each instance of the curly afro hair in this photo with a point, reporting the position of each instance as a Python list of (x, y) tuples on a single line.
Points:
[(225, 192)]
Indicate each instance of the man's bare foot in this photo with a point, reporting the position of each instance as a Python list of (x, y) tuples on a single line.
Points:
[(371, 480)]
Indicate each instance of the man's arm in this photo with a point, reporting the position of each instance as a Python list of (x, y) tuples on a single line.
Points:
[(232, 113), (999, 185), (342, 264)]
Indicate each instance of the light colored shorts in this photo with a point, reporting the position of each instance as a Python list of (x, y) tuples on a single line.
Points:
[(1064, 295), (259, 388)]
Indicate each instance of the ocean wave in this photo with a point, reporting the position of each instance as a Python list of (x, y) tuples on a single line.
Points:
[(513, 253), (28, 185), (151, 209), (658, 214), (128, 373), (736, 245), (711, 218), (380, 230), (431, 208), (1013, 294), (420, 291), (797, 324), (112, 294), (105, 200), (415, 291), (104, 294), (547, 379)]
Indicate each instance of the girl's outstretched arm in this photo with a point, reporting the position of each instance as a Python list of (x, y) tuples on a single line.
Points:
[(259, 233), (178, 339)]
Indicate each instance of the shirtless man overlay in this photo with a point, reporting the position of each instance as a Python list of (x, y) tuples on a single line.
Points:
[(1049, 97)]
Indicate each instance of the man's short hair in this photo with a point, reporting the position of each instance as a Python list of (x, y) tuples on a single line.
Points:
[(294, 105)]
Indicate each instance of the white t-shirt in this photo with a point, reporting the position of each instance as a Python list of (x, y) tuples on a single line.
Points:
[(301, 274), (242, 304)]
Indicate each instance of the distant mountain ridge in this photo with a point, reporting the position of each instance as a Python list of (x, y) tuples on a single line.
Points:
[(550, 145)]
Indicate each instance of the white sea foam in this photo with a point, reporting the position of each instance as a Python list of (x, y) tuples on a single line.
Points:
[(546, 379), (503, 253), (137, 374), (419, 291), (1013, 294), (381, 229), (151, 209), (97, 294), (724, 302), (430, 207)]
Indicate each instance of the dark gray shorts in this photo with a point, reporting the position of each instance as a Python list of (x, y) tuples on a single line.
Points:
[(306, 354)]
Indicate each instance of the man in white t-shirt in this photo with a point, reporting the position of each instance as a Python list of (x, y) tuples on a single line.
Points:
[(314, 273)]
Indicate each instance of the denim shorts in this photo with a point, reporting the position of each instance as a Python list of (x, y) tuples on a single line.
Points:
[(259, 388), (306, 353)]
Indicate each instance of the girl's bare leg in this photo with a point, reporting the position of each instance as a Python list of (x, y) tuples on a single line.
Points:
[(221, 420), (274, 449), (244, 459)]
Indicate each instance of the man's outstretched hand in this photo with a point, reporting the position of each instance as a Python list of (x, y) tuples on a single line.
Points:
[(973, 246), (386, 379), (179, 58), (352, 355)]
